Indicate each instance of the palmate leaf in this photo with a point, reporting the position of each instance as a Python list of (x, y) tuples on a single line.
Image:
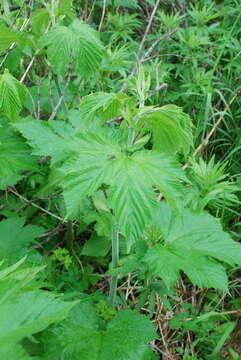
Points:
[(101, 158), (125, 338), (191, 243), (131, 178), (15, 239), (77, 44), (171, 128), (12, 95), (15, 156)]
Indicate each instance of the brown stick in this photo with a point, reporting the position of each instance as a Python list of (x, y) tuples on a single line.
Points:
[(35, 205)]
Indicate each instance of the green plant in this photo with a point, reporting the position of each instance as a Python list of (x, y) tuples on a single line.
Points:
[(100, 180)]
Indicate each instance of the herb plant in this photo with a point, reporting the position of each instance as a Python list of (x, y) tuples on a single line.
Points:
[(119, 178)]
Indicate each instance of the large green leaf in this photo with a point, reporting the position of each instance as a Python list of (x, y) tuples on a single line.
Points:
[(131, 178), (102, 158), (77, 44), (15, 156), (125, 337), (191, 243), (12, 95)]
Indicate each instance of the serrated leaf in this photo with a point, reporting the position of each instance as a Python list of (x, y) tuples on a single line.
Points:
[(171, 128), (12, 95), (132, 196), (15, 238), (78, 44), (15, 156), (122, 339), (55, 139), (192, 243)]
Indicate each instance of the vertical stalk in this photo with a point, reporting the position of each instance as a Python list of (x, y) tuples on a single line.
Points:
[(69, 242), (115, 259)]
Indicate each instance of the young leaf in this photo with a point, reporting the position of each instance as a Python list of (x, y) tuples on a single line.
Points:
[(103, 105), (171, 128), (12, 95), (191, 243), (77, 44)]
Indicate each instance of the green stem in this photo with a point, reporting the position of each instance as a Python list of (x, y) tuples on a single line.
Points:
[(69, 243), (115, 259)]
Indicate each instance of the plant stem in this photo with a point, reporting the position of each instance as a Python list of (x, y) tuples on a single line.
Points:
[(115, 259), (69, 242)]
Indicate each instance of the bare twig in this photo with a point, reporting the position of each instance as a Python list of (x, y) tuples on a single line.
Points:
[(35, 205), (146, 55), (148, 27), (102, 15), (28, 68), (224, 313), (214, 128), (155, 43), (158, 88)]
